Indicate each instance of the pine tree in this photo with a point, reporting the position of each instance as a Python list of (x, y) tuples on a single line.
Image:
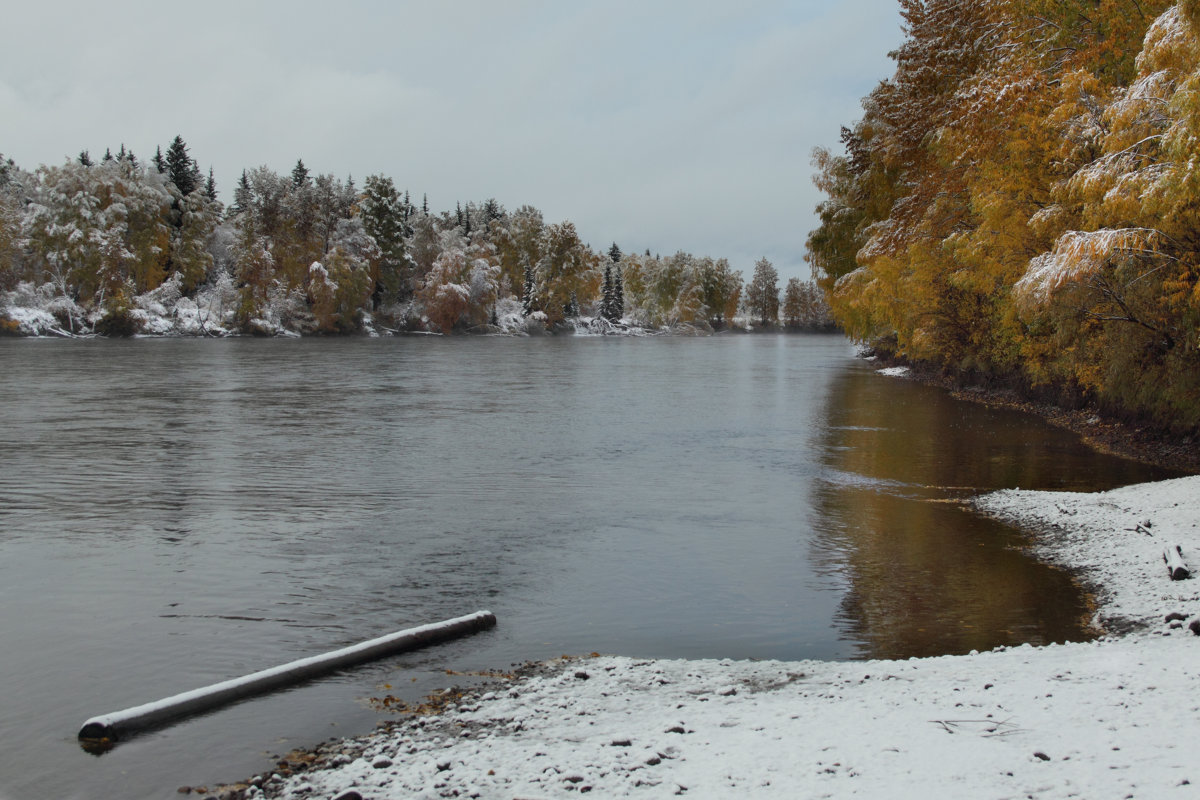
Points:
[(614, 253), (425, 204), (180, 168), (108, 156), (299, 174), (459, 214), (85, 159), (159, 162)]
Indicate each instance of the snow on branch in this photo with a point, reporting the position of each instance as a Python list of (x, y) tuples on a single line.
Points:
[(1079, 254)]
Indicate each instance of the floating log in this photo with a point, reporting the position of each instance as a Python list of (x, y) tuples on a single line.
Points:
[(112, 727), (1176, 567)]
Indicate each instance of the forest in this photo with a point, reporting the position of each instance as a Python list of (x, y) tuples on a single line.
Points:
[(1019, 202), (118, 246)]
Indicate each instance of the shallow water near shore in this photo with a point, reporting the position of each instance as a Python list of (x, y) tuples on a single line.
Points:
[(177, 512)]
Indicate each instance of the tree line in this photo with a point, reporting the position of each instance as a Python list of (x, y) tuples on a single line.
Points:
[(1020, 200), (313, 253)]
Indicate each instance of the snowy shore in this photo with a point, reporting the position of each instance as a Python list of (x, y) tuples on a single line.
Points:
[(1112, 718)]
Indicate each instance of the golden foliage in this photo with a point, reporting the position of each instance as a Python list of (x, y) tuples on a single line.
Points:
[(1045, 199)]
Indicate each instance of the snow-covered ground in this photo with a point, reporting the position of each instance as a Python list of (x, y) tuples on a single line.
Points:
[(1114, 718)]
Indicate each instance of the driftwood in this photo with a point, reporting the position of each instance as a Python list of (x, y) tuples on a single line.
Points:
[(1176, 568), (105, 730)]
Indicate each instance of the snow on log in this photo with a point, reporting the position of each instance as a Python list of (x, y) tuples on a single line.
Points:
[(1176, 567), (113, 726)]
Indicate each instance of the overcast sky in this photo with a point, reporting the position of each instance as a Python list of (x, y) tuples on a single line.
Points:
[(674, 125)]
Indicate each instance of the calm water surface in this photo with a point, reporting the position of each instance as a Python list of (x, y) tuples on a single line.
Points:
[(178, 512)]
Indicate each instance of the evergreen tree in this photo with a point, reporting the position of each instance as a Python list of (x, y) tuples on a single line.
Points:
[(210, 186), (606, 302), (108, 156), (180, 168), (243, 195), (618, 295), (614, 253), (425, 204), (197, 176), (408, 212), (85, 159), (299, 174), (127, 155), (491, 212), (159, 162), (382, 215), (529, 295), (459, 214)]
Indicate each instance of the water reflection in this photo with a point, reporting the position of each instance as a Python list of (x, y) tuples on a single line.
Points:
[(926, 576), (173, 513)]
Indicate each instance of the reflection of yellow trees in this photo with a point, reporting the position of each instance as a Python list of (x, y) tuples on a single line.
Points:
[(927, 576)]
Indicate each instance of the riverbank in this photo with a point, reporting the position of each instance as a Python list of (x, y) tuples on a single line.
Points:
[(1110, 718)]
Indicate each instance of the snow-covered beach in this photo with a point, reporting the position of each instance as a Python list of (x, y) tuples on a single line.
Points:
[(1110, 718)]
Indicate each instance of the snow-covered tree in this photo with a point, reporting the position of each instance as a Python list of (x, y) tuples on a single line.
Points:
[(382, 213), (181, 168), (762, 293)]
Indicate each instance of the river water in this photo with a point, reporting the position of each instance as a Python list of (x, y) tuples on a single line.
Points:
[(175, 512)]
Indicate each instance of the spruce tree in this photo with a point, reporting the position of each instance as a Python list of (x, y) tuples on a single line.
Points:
[(618, 295), (180, 168), (491, 212), (382, 217), (299, 174), (108, 156), (85, 159), (160, 163), (425, 204), (606, 303), (528, 296), (210, 186), (614, 253), (242, 195), (197, 175)]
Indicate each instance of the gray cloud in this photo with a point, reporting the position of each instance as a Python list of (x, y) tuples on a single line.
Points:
[(662, 125)]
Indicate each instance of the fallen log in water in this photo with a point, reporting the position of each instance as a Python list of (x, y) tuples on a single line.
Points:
[(112, 727), (1176, 567)]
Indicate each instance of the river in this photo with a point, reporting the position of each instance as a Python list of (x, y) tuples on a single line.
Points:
[(174, 512)]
